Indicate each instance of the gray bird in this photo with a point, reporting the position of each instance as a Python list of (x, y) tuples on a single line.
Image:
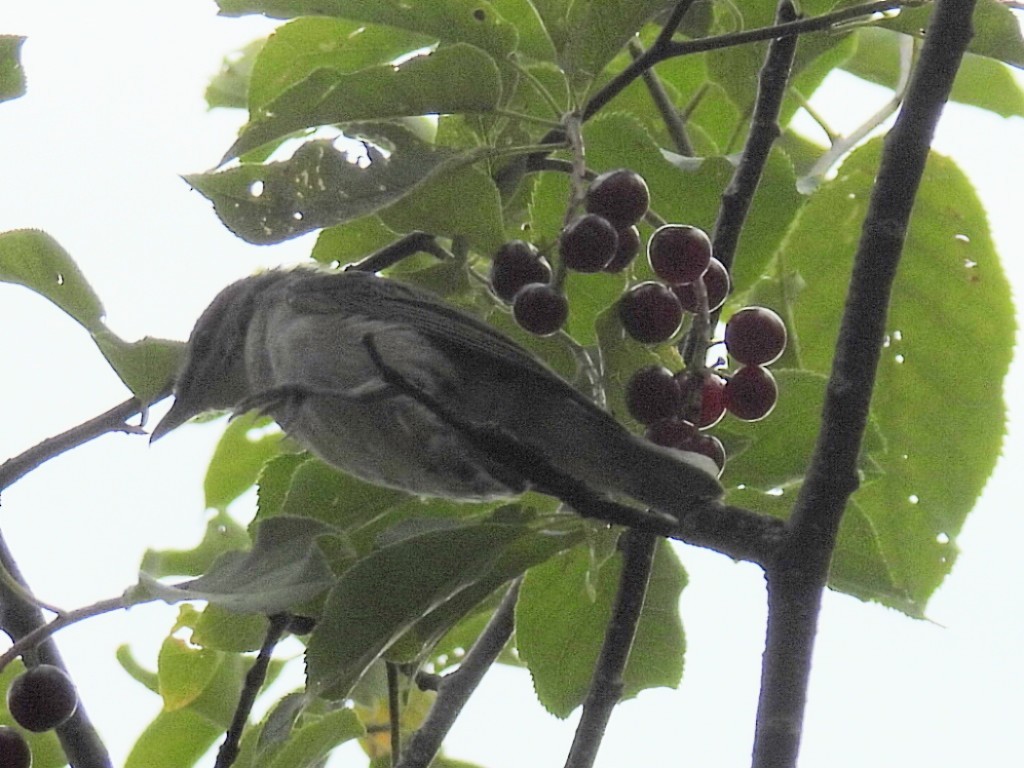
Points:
[(375, 377)]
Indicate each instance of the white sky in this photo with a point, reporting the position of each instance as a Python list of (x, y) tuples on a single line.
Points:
[(93, 155)]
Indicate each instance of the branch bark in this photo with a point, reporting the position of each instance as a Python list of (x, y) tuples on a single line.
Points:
[(798, 574)]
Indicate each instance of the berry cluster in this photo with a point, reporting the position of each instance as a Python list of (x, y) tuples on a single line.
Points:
[(675, 407), (605, 238), (678, 407), (39, 699), (680, 255)]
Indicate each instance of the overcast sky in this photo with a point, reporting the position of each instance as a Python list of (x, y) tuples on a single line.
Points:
[(93, 155)]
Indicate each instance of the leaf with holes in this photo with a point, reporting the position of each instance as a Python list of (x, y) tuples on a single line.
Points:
[(938, 399), (320, 186)]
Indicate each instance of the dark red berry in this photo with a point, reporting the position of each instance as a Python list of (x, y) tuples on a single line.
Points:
[(751, 392), (684, 436), (42, 698), (629, 247), (710, 446), (679, 253), (14, 751), (540, 309), (620, 196), (514, 265), (755, 336), (716, 283), (588, 243), (710, 400), (650, 312), (652, 394), (671, 433)]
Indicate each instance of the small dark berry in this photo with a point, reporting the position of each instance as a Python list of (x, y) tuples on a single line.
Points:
[(540, 309), (710, 400), (716, 283), (588, 243), (684, 436), (671, 433), (14, 751), (755, 336), (514, 265), (620, 196), (751, 392), (629, 247), (650, 312), (652, 394), (42, 698), (679, 253)]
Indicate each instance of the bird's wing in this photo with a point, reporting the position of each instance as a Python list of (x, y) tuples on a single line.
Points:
[(377, 297)]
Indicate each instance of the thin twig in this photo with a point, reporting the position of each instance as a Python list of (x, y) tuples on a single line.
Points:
[(455, 689), (673, 119), (607, 684), (843, 144), (797, 578), (254, 679), (665, 48), (641, 64), (114, 420), (764, 130), (394, 712)]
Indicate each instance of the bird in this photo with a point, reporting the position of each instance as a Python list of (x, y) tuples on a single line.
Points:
[(391, 384)]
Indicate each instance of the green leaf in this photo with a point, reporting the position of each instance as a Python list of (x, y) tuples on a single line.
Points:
[(184, 672), (12, 75), (174, 740), (147, 366), (997, 32), (308, 745), (320, 186), (230, 86), (460, 78), (461, 202), (35, 260), (468, 21), (776, 454), (562, 614), (980, 82), (351, 242), (238, 459), (285, 567), (534, 40), (135, 670), (301, 47), (951, 312), (319, 491), (223, 534), (386, 593), (524, 553), (598, 31), (219, 629)]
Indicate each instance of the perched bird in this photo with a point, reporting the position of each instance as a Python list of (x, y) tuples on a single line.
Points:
[(388, 383)]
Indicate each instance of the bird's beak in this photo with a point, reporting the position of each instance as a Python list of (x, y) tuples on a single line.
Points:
[(174, 418)]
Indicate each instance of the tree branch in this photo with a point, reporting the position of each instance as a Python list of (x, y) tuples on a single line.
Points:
[(455, 689), (114, 420), (607, 684), (797, 577), (764, 130)]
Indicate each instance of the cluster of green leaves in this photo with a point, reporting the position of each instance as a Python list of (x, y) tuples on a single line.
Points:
[(440, 100)]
